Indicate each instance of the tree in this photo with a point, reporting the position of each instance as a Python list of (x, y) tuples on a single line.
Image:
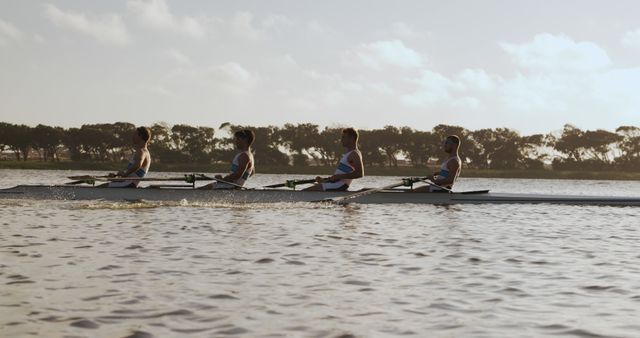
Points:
[(162, 147), (19, 139), (48, 141), (300, 140), (372, 154), (4, 130), (390, 141), (629, 146), (266, 147), (443, 130), (195, 143), (417, 145), (328, 145)]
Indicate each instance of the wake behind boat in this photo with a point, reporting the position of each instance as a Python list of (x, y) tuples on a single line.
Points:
[(390, 196)]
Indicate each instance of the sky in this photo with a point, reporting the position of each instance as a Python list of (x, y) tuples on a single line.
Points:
[(532, 66)]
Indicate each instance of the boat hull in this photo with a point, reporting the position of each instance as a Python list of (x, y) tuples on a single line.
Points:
[(286, 196)]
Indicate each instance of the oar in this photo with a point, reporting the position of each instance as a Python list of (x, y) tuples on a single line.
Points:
[(80, 182), (430, 182), (119, 178), (291, 183), (86, 177), (203, 177), (341, 200), (192, 178)]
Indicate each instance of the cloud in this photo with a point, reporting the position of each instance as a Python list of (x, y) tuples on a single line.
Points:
[(155, 14), (107, 29), (233, 78), (39, 39), (619, 87), (476, 79), (319, 28), (631, 38), (406, 32), (392, 52), (275, 21), (557, 53), (9, 33), (458, 91), (433, 88), (178, 56), (558, 76)]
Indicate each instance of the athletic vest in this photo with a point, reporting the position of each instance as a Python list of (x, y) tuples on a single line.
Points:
[(235, 167), (141, 172), (444, 171), (345, 168)]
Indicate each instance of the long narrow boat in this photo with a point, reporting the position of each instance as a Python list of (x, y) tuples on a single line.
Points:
[(61, 192)]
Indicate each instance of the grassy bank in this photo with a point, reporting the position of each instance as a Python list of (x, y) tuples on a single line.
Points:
[(377, 171)]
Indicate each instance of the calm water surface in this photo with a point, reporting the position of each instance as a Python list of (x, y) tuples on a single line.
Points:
[(102, 269)]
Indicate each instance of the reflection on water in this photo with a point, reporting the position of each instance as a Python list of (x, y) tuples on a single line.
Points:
[(105, 269)]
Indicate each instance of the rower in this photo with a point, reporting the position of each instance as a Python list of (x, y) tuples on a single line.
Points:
[(449, 170), (139, 162), (350, 166), (242, 165)]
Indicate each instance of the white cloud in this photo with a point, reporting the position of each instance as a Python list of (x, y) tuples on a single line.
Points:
[(476, 79), (631, 38), (155, 14), (243, 25), (9, 33), (107, 29), (542, 94), (320, 28), (178, 56), (394, 52), (275, 21), (558, 53), (619, 87), (39, 39), (458, 91), (467, 102), (405, 31), (433, 88), (233, 78)]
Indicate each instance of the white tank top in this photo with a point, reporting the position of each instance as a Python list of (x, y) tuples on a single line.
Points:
[(444, 171), (235, 167), (345, 168), (145, 167)]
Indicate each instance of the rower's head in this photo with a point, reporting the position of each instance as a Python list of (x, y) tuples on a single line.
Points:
[(142, 136), (244, 138), (451, 144), (349, 137)]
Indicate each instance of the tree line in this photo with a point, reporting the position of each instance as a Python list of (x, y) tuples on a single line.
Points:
[(308, 144)]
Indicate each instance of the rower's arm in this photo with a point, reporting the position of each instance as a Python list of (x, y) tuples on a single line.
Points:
[(138, 160), (243, 164), (358, 168), (453, 167)]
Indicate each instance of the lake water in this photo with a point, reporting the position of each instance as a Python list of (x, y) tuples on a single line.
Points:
[(103, 269)]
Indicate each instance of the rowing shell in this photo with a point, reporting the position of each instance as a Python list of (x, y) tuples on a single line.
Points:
[(399, 196)]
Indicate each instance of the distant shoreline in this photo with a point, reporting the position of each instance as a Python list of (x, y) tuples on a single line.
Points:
[(314, 170)]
